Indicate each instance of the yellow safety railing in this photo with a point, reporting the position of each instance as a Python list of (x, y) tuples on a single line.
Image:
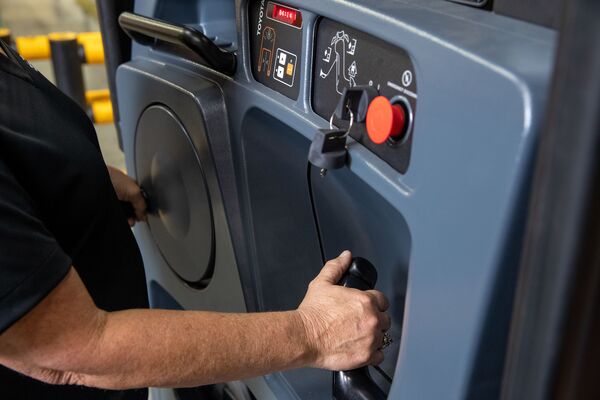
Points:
[(4, 33), (96, 95), (38, 47), (102, 111), (93, 49), (100, 105), (91, 52)]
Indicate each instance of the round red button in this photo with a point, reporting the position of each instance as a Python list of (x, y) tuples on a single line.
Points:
[(385, 120)]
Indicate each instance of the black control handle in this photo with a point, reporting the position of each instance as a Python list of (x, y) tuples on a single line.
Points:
[(146, 31), (357, 384)]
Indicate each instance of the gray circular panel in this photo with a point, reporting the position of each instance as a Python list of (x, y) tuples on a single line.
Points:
[(170, 172)]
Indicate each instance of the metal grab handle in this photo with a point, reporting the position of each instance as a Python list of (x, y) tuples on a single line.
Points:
[(357, 384), (146, 31)]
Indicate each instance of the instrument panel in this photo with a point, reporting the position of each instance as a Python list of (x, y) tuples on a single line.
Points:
[(348, 58), (344, 57), (276, 41)]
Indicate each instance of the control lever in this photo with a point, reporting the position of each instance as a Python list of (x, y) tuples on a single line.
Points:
[(146, 31), (357, 384)]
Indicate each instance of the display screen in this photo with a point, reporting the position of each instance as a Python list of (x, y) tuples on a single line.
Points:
[(284, 14)]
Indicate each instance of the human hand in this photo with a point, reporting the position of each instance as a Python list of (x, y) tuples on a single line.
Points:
[(128, 190), (344, 326)]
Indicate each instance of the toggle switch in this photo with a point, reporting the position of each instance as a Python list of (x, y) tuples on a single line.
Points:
[(385, 120)]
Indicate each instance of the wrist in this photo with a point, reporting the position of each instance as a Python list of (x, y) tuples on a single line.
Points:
[(113, 174), (306, 337)]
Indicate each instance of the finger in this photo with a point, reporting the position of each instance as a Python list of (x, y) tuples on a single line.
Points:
[(385, 321), (377, 341), (131, 222), (334, 269), (377, 358), (380, 299), (139, 205)]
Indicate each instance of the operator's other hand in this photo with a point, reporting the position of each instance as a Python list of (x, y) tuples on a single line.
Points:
[(344, 326), (128, 190)]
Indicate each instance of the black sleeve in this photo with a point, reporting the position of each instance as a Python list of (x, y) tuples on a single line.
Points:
[(31, 261)]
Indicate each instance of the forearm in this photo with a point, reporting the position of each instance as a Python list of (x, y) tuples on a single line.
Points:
[(66, 339), (140, 348)]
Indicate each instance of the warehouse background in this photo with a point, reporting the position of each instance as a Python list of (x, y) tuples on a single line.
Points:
[(39, 17)]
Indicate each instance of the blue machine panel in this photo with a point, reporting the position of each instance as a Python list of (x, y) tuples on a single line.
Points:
[(444, 231)]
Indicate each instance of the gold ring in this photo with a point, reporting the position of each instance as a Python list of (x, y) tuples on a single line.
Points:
[(387, 340)]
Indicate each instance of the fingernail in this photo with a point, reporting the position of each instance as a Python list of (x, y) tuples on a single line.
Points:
[(344, 253)]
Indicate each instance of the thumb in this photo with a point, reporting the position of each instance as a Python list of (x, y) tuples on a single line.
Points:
[(334, 269)]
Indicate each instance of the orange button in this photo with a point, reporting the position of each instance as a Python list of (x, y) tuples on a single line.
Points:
[(385, 120)]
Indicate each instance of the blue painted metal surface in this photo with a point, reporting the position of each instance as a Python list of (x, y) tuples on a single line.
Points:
[(449, 248)]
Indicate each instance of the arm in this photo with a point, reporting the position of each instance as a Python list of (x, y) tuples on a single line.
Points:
[(66, 339)]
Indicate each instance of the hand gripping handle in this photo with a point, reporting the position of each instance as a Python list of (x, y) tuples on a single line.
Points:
[(357, 384)]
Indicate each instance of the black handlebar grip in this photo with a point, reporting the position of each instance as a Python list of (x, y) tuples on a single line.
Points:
[(361, 275), (357, 384)]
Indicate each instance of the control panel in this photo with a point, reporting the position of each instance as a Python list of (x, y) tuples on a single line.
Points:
[(348, 58), (275, 44)]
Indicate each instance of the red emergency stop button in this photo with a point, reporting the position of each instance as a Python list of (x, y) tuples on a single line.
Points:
[(385, 120)]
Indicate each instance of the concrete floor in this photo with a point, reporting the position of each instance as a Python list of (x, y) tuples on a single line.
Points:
[(36, 17)]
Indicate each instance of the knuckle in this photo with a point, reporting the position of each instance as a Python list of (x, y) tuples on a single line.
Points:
[(370, 342), (362, 308), (386, 301), (369, 327), (335, 263), (374, 340), (363, 357), (365, 300), (372, 321), (374, 302), (381, 300)]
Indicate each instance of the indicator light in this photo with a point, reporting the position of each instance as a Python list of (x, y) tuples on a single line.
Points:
[(285, 15)]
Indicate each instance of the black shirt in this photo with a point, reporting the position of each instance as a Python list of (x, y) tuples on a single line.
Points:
[(57, 208)]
